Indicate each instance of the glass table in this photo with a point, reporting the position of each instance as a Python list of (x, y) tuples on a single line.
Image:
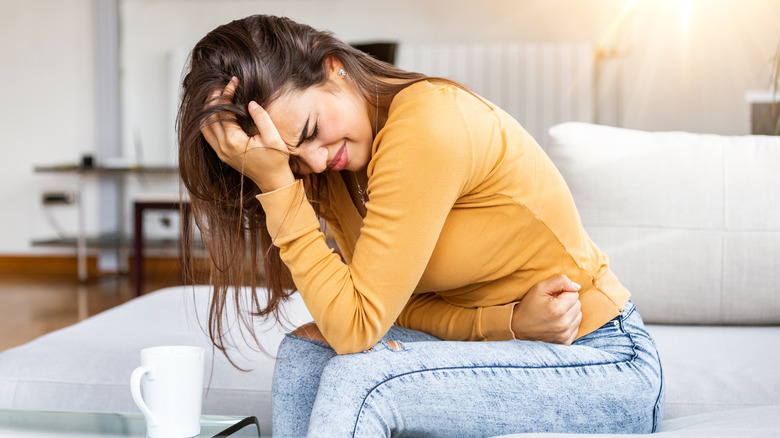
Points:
[(17, 423)]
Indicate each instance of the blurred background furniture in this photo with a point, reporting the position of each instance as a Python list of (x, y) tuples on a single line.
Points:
[(764, 112), (157, 202), (81, 241)]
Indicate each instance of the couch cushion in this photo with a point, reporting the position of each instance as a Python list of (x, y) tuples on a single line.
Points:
[(94, 358), (760, 422), (717, 368), (691, 222)]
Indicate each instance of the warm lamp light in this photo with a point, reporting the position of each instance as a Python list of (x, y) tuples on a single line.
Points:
[(617, 42), (615, 33), (684, 7)]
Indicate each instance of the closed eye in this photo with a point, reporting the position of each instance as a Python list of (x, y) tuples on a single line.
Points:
[(314, 132)]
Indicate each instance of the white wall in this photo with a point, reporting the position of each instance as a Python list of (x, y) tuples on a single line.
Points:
[(665, 76), (180, 24), (47, 112)]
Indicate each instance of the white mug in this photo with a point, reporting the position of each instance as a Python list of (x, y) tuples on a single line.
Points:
[(172, 381)]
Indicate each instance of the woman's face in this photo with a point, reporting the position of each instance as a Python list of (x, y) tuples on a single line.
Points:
[(326, 127)]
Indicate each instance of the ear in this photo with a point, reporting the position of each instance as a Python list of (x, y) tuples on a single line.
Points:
[(333, 65)]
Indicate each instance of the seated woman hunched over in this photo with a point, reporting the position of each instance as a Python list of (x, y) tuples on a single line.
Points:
[(452, 223)]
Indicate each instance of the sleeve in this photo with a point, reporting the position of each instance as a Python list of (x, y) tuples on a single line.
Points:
[(430, 313), (418, 171), (433, 314)]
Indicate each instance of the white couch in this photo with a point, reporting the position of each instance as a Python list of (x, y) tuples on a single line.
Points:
[(692, 226)]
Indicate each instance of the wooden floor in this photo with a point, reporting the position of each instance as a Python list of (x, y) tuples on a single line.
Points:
[(33, 305)]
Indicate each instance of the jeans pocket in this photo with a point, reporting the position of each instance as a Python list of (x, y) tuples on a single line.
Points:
[(613, 328), (614, 337)]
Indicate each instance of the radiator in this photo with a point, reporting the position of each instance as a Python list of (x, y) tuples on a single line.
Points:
[(538, 84)]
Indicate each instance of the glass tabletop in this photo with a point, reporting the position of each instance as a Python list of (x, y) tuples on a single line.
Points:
[(17, 423)]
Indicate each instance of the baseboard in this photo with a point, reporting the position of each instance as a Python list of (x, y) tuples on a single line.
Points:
[(68, 265), (45, 265)]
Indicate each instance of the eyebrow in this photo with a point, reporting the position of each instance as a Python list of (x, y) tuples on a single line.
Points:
[(303, 133)]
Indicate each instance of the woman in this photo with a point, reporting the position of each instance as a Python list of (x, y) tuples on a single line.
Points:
[(451, 223)]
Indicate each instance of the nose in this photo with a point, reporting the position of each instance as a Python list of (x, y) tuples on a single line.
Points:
[(314, 156)]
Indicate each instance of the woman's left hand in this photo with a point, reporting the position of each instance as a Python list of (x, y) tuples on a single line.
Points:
[(263, 158), (550, 312)]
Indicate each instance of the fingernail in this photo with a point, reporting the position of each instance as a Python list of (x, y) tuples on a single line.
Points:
[(576, 286), (253, 105), (234, 79)]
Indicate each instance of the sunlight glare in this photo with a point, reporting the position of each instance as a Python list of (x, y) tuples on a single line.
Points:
[(612, 40), (684, 7)]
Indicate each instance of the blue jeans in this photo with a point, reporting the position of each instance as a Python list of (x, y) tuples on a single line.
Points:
[(608, 381)]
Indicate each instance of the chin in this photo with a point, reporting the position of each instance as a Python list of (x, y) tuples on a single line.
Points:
[(360, 161), (356, 166)]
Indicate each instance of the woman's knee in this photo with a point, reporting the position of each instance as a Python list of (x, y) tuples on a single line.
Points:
[(301, 352)]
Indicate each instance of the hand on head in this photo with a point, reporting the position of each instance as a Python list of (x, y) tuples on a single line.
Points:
[(263, 158), (549, 312)]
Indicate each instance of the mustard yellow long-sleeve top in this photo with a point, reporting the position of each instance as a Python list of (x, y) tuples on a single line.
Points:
[(465, 214)]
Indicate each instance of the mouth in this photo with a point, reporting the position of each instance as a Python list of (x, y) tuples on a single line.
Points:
[(339, 161)]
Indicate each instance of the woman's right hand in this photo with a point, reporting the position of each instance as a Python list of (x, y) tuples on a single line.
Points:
[(263, 158), (549, 312)]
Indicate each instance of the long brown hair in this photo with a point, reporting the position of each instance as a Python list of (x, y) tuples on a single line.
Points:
[(270, 56)]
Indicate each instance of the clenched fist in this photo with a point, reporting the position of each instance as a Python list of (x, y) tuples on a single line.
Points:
[(549, 312)]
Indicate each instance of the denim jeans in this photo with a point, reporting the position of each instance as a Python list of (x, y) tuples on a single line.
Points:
[(413, 384)]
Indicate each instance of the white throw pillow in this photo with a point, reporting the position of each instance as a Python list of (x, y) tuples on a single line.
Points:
[(691, 222)]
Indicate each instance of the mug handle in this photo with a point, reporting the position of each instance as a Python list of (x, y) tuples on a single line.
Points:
[(135, 390)]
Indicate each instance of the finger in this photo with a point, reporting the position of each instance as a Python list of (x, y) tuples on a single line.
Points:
[(229, 91), (570, 325), (209, 133), (570, 340), (557, 284), (225, 124), (573, 309), (211, 128), (216, 129), (259, 116), (570, 298), (210, 138), (266, 128), (562, 283), (568, 285), (575, 329), (563, 310), (214, 97)]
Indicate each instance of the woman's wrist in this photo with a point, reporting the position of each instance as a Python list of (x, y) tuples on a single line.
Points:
[(516, 327), (275, 181)]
